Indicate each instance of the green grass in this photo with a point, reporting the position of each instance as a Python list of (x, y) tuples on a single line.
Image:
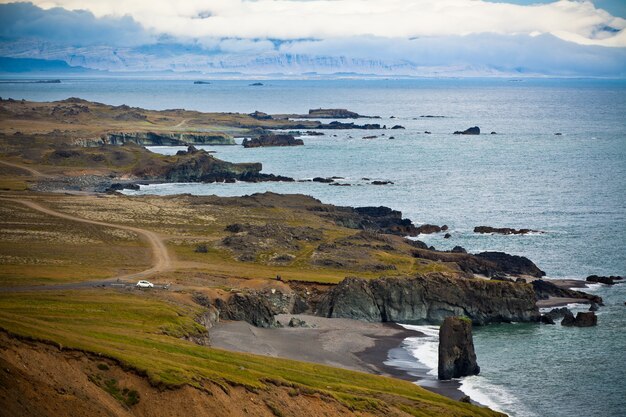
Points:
[(145, 334)]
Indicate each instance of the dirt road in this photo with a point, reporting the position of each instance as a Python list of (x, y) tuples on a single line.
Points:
[(30, 170), (160, 255)]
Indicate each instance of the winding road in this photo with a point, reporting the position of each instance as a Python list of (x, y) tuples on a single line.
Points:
[(160, 256)]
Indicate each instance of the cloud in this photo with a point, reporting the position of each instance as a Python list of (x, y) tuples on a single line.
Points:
[(114, 35), (80, 27), (542, 54), (576, 21)]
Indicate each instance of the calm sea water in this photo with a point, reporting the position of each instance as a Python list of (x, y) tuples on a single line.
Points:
[(571, 186)]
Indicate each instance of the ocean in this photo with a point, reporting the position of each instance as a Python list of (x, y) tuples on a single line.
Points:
[(570, 186)]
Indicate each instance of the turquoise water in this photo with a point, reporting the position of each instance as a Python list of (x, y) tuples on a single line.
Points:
[(570, 186)]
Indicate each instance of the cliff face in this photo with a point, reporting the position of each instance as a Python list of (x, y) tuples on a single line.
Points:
[(194, 166), (430, 299), (168, 139)]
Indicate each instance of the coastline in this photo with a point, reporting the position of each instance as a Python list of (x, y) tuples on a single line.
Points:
[(344, 343)]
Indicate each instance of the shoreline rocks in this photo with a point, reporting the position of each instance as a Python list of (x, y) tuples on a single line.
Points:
[(582, 319), (457, 357), (163, 139)]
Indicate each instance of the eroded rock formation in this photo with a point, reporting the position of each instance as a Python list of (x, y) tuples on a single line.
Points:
[(456, 349)]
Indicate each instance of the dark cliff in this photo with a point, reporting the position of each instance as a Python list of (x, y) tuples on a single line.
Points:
[(430, 299)]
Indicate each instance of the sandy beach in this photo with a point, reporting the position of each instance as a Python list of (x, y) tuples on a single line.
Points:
[(342, 343)]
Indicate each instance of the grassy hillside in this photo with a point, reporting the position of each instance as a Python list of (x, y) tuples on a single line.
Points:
[(147, 335)]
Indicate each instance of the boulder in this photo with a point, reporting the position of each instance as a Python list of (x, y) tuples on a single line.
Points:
[(568, 319), (456, 349), (586, 319), (458, 249), (557, 313), (582, 319), (471, 131), (397, 127), (296, 322), (447, 236), (545, 319)]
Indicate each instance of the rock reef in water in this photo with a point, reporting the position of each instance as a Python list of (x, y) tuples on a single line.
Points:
[(471, 131), (272, 140), (604, 280), (429, 299), (456, 349), (504, 230)]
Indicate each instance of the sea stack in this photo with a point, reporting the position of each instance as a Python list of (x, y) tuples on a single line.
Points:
[(456, 349)]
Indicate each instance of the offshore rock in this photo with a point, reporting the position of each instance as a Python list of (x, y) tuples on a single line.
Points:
[(604, 280), (503, 230), (471, 131), (272, 140), (456, 349), (583, 319), (429, 299)]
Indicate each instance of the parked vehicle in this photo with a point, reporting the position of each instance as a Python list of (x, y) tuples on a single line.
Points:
[(144, 284)]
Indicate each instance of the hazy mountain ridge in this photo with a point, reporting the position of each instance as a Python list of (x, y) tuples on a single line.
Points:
[(180, 58)]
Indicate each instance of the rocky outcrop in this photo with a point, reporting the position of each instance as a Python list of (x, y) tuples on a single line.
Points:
[(512, 264), (167, 139), (333, 114), (343, 126), (427, 229), (250, 307), (503, 230), (471, 131), (604, 280), (429, 299), (259, 115), (545, 289), (272, 140), (582, 319), (201, 166), (490, 264), (456, 349)]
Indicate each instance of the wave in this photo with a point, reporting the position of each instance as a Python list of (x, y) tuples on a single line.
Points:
[(493, 396), (425, 349)]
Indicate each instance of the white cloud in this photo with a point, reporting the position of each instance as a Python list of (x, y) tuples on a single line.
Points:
[(575, 21)]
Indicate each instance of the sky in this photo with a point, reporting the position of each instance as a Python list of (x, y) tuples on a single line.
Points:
[(500, 32)]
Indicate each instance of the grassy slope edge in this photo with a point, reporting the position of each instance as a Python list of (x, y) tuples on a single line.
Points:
[(148, 336)]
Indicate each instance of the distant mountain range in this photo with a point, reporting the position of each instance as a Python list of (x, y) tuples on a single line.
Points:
[(33, 56)]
